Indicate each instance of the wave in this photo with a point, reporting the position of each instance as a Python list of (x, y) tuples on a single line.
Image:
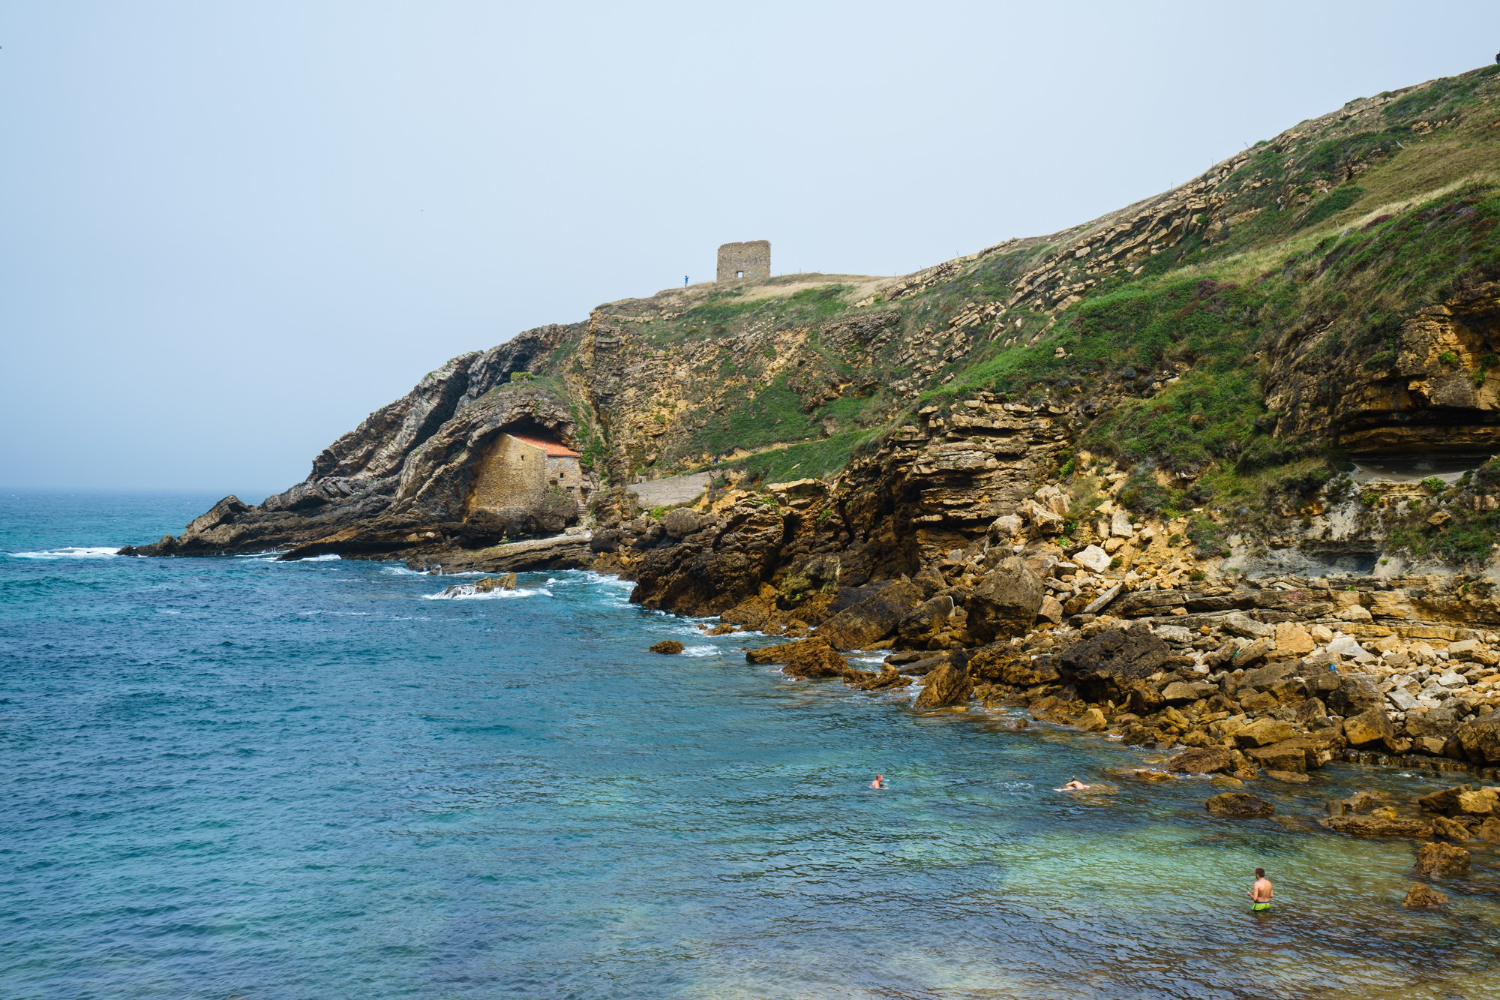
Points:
[(699, 650), (399, 570), (71, 552), (467, 592)]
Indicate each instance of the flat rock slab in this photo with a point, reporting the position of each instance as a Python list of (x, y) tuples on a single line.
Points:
[(670, 492), (557, 552)]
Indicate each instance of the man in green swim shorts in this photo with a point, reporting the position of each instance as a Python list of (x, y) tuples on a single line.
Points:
[(1260, 893)]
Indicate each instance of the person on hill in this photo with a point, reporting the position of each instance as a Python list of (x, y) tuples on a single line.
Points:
[(879, 781), (1261, 892)]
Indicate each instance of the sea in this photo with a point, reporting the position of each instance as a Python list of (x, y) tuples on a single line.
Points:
[(243, 778)]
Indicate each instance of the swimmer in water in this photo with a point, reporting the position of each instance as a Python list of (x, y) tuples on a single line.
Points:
[(1073, 785), (1261, 892), (879, 781)]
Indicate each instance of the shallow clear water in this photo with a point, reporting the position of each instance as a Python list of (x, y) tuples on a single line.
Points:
[(241, 777)]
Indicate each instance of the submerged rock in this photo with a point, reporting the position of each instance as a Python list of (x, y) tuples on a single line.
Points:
[(1202, 760), (1239, 805), (1422, 896), (1440, 860), (1378, 824)]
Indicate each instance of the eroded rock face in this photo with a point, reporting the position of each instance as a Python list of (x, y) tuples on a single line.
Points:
[(400, 483), (716, 567)]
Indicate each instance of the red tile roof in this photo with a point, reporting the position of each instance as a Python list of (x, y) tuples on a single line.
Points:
[(552, 448)]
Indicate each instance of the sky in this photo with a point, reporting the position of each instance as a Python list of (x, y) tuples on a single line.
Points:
[(229, 231)]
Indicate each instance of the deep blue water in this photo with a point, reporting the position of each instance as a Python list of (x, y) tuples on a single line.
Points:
[(237, 777)]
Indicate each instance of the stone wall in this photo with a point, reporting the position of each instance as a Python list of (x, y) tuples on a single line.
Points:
[(512, 474), (750, 261), (566, 474)]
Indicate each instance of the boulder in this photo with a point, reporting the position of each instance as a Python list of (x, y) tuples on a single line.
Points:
[(781, 652), (679, 522), (1103, 601), (667, 646), (888, 677), (1264, 678), (1104, 666), (873, 618), (816, 660), (1480, 802), (1051, 610), (1092, 721), (946, 685), (1422, 896), (1263, 732), (1254, 653), (1183, 692), (1238, 805), (1360, 802), (1202, 760), (1440, 860), (1356, 693), (1092, 558), (1288, 755), (1002, 663), (1006, 601), (1370, 728), (1479, 739), (1444, 802), (1294, 639), (926, 622), (1430, 723)]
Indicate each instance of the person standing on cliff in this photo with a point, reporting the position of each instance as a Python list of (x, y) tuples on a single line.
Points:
[(1261, 892)]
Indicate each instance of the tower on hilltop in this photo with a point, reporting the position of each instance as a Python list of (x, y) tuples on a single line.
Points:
[(745, 261)]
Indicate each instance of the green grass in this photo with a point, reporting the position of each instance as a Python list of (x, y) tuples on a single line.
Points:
[(808, 460), (1331, 204)]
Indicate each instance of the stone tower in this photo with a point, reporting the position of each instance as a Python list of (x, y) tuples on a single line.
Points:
[(745, 261)]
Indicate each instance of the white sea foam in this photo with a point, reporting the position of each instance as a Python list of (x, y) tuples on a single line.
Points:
[(467, 592), (325, 557), (699, 650), (590, 576), (71, 552), (868, 659), (403, 571)]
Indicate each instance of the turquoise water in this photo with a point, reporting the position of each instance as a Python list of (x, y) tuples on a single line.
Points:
[(240, 777)]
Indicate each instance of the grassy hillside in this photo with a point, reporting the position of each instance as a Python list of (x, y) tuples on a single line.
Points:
[(1205, 362)]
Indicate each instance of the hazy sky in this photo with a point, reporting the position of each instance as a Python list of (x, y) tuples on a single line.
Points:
[(232, 229)]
